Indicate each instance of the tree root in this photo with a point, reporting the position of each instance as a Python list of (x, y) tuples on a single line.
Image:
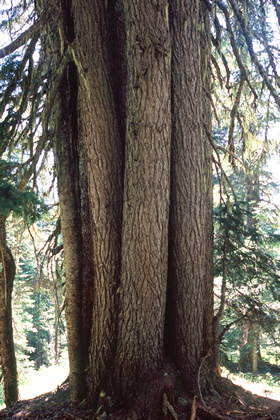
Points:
[(168, 408), (211, 414), (155, 397), (193, 409)]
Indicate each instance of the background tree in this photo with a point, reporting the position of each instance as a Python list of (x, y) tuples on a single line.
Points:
[(245, 106), (20, 150), (23, 203)]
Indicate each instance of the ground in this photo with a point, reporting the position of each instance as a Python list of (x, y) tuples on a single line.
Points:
[(228, 401)]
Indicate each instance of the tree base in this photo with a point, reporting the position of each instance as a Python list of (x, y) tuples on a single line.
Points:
[(155, 397)]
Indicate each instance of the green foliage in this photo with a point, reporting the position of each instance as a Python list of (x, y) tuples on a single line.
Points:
[(23, 203), (9, 68), (1, 394), (246, 253)]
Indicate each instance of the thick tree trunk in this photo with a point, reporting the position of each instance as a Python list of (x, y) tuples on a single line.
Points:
[(140, 91), (99, 133), (142, 289), (189, 310), (7, 350)]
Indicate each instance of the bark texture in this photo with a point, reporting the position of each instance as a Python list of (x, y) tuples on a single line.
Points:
[(189, 313), (70, 175), (7, 351), (143, 282), (99, 133), (69, 198), (138, 176)]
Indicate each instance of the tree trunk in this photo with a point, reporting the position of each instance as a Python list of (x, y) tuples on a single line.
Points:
[(66, 148), (142, 242), (217, 337), (142, 290), (7, 350), (250, 354), (99, 134), (189, 309)]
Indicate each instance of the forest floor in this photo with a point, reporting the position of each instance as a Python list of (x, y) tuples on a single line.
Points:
[(229, 402)]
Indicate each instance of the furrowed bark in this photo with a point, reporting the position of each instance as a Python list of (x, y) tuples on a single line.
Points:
[(99, 133), (68, 187), (189, 316), (142, 290)]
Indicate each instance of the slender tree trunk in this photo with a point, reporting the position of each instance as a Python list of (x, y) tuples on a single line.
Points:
[(255, 348), (66, 148), (7, 350), (250, 350), (219, 315), (189, 310), (71, 190)]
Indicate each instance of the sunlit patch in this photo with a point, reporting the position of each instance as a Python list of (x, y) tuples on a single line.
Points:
[(42, 381), (260, 386)]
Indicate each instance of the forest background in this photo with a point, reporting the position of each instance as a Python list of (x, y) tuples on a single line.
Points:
[(245, 142)]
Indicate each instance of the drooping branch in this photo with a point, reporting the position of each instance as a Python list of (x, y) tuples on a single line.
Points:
[(234, 47), (18, 75), (218, 162), (21, 40), (233, 113), (277, 9), (266, 45), (29, 33), (249, 41), (45, 118)]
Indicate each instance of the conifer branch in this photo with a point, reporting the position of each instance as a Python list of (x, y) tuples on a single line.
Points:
[(233, 113), (45, 118), (277, 9), (21, 40), (234, 47), (248, 38), (31, 32), (18, 75)]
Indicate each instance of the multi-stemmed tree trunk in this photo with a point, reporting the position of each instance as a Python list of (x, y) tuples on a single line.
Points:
[(134, 175), (7, 351)]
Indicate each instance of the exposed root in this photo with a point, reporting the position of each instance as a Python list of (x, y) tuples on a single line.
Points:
[(212, 415), (193, 409), (156, 397), (168, 408)]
